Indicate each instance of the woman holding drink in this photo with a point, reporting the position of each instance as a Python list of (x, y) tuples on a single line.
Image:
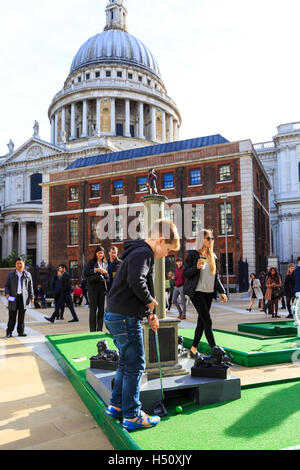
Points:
[(202, 285)]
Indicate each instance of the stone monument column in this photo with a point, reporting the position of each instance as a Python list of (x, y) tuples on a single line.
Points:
[(168, 327), (154, 209)]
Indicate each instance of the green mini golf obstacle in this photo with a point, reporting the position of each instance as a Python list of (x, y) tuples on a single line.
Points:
[(279, 328), (247, 350)]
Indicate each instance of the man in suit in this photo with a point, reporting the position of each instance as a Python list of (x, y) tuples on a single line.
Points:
[(19, 293), (112, 265), (65, 296)]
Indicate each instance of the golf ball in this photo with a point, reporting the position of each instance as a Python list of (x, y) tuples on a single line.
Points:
[(178, 409)]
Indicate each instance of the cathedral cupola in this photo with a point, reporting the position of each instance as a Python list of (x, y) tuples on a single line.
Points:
[(116, 15)]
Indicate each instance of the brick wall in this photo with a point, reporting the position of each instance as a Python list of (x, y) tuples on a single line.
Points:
[(3, 276)]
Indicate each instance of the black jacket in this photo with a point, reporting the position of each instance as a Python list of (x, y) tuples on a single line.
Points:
[(133, 286), (289, 285), (66, 283), (56, 284), (192, 274), (89, 273)]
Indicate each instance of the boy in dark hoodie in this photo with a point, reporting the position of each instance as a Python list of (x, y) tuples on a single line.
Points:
[(130, 299)]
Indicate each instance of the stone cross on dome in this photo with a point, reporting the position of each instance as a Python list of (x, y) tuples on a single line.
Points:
[(116, 16)]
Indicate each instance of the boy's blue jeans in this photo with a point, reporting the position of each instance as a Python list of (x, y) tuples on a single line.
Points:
[(127, 334)]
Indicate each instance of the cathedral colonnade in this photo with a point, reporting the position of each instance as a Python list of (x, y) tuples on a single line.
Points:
[(113, 117), (24, 237)]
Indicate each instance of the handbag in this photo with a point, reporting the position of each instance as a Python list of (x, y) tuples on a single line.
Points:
[(276, 294), (95, 278)]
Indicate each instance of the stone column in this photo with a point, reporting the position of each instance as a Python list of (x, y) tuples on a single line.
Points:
[(55, 129), (98, 117), (52, 130), (153, 125), (38, 243), (113, 116), (63, 123), (141, 120), (168, 327), (9, 231), (23, 242), (84, 119), (171, 136), (73, 125), (154, 209), (46, 219), (127, 118), (163, 126), (247, 203)]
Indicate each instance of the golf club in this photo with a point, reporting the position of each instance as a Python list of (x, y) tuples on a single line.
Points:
[(159, 408)]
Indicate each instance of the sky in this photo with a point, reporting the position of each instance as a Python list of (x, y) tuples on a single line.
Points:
[(232, 66)]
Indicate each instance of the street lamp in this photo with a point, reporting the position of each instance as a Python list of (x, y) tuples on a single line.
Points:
[(224, 198)]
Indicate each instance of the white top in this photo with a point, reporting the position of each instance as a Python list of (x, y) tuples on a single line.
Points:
[(19, 291), (206, 281)]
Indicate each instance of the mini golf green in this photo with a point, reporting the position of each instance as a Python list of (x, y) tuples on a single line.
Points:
[(265, 418), (249, 351), (279, 328)]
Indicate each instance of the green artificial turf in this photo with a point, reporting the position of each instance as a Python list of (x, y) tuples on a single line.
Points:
[(265, 418), (75, 347), (280, 328), (245, 343)]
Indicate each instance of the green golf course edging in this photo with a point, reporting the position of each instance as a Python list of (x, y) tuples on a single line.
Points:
[(117, 435)]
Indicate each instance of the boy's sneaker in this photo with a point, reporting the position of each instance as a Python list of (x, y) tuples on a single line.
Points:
[(114, 412), (142, 421)]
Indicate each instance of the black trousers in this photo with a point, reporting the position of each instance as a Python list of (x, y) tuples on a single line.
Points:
[(77, 300), (202, 303), (170, 298), (61, 308), (96, 303), (14, 314), (289, 303), (65, 298)]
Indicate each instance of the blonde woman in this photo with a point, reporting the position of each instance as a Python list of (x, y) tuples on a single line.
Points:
[(202, 285)]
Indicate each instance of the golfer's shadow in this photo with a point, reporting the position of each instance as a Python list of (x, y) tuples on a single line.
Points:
[(269, 413)]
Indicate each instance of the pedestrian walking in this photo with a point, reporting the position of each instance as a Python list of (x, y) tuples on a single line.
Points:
[(273, 292), (96, 274), (297, 277), (256, 292), (19, 293), (65, 296), (170, 289), (56, 292), (203, 283), (289, 288), (262, 280), (179, 281)]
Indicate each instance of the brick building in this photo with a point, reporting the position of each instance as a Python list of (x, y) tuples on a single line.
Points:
[(193, 174)]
